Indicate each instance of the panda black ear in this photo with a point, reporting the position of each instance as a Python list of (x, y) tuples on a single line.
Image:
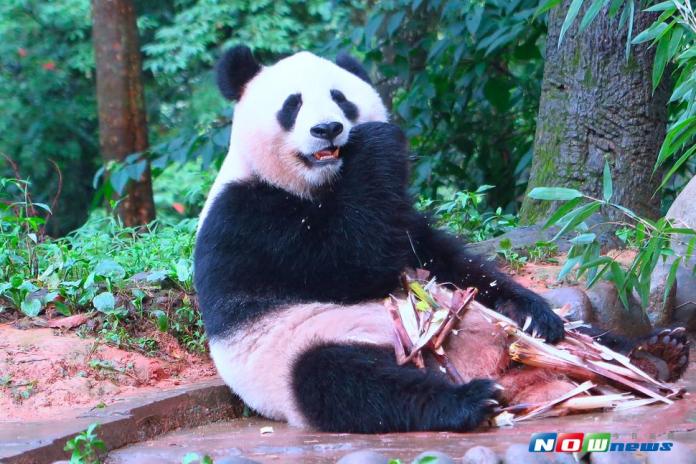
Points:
[(236, 67), (350, 64)]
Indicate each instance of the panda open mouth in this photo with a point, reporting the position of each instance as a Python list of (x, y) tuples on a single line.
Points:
[(329, 153)]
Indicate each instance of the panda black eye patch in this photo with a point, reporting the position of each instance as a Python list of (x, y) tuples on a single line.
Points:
[(348, 107), (288, 112)]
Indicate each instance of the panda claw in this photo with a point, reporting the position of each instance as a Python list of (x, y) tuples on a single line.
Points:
[(679, 331), (527, 323), (665, 354)]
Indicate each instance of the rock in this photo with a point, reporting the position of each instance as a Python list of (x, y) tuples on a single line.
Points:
[(440, 458), (685, 299), (236, 460), (69, 322), (524, 237), (660, 310), (480, 455), (610, 313), (682, 214), (615, 457), (519, 454), (580, 305), (363, 457), (680, 453), (682, 209), (521, 238)]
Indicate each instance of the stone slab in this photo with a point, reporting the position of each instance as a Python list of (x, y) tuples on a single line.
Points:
[(129, 422)]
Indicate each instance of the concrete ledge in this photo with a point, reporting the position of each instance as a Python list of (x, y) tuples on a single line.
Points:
[(129, 422)]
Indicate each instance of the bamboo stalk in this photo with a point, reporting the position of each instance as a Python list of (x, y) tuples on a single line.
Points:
[(428, 314)]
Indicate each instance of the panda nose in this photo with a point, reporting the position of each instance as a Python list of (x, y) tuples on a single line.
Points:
[(327, 130)]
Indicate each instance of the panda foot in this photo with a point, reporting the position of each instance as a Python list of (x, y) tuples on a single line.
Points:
[(664, 354), (480, 401)]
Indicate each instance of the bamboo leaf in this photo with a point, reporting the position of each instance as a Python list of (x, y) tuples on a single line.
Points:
[(583, 239), (675, 167), (591, 13), (582, 214), (614, 7), (630, 8), (599, 274), (650, 33), (573, 11), (671, 277), (549, 5), (619, 277), (677, 135), (564, 209), (662, 6), (690, 249), (607, 186), (554, 193), (568, 266), (661, 58)]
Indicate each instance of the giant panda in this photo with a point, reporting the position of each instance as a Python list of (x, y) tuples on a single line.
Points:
[(306, 230)]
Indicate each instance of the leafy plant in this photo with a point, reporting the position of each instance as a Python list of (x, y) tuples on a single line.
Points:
[(465, 213), (195, 458), (19, 390), (103, 267), (653, 241), (514, 259), (543, 252), (85, 447)]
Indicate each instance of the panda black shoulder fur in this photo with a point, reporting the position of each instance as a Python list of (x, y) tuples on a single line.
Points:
[(307, 228)]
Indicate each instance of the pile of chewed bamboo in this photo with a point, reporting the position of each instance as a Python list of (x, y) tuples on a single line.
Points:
[(606, 379)]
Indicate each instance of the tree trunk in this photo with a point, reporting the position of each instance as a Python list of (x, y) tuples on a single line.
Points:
[(596, 106), (122, 117)]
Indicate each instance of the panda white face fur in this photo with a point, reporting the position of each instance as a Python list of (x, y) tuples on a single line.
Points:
[(291, 119)]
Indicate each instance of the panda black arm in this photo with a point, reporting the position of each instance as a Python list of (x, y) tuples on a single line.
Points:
[(376, 164), (444, 255)]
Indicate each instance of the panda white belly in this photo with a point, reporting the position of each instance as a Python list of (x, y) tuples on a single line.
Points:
[(256, 360)]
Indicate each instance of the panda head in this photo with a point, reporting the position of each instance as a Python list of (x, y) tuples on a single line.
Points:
[(292, 118)]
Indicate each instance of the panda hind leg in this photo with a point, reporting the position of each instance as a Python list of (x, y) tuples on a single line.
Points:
[(360, 388)]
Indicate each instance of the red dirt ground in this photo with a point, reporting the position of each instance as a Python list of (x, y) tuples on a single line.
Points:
[(45, 373)]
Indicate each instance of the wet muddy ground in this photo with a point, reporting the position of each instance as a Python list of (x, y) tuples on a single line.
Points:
[(242, 437)]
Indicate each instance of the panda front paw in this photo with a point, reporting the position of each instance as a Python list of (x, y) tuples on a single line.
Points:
[(479, 401), (544, 322)]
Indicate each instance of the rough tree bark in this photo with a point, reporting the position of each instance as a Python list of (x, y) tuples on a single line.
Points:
[(120, 98), (596, 105)]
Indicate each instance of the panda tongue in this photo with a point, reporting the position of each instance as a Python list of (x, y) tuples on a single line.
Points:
[(324, 154)]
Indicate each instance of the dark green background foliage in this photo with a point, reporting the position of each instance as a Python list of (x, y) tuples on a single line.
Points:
[(48, 102), (463, 77)]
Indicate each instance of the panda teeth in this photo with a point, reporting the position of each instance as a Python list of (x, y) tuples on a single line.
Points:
[(327, 154)]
